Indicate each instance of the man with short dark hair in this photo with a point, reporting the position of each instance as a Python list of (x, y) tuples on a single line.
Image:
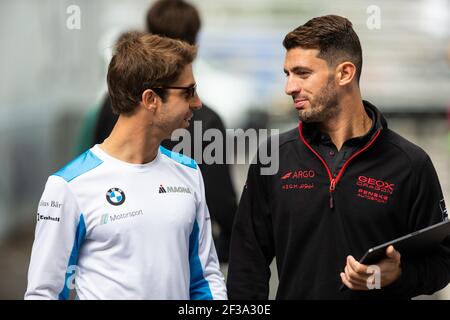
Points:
[(346, 183), (128, 218), (178, 19)]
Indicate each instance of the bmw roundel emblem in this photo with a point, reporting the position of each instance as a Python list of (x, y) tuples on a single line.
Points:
[(115, 196)]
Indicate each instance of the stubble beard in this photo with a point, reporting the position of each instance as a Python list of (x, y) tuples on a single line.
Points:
[(324, 106)]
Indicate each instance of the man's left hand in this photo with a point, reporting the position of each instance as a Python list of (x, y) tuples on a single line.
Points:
[(356, 275)]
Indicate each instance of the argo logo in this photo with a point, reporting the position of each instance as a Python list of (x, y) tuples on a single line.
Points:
[(299, 174), (298, 180), (115, 196)]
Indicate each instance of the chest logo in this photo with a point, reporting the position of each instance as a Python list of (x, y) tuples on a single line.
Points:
[(173, 189), (374, 189), (299, 174), (115, 196), (297, 180)]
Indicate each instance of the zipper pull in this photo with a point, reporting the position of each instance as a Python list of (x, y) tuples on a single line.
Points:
[(332, 188)]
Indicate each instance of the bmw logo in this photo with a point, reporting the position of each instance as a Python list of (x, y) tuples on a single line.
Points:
[(115, 196)]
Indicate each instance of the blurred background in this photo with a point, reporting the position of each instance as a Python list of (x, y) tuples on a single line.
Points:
[(53, 73)]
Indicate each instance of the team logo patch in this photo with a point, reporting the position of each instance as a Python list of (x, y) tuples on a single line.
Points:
[(298, 180), (286, 176), (374, 189), (299, 174), (443, 209), (41, 217), (115, 196), (173, 189)]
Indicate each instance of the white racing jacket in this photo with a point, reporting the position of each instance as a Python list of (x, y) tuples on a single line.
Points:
[(115, 230)]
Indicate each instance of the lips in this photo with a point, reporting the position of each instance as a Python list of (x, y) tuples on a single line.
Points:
[(300, 103)]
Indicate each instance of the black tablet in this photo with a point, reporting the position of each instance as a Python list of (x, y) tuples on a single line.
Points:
[(413, 244)]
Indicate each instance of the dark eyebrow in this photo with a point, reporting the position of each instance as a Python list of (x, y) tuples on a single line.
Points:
[(300, 69)]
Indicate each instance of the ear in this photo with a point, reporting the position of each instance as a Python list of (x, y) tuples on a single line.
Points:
[(150, 100), (345, 73)]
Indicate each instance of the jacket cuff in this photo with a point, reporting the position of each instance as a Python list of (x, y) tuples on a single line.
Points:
[(407, 283)]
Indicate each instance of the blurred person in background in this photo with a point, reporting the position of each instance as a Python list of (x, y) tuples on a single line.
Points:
[(178, 19), (128, 218), (448, 108), (346, 183)]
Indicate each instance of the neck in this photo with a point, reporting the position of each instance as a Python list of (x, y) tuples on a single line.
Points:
[(352, 121), (132, 141)]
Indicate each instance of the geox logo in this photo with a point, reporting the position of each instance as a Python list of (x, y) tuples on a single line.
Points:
[(173, 189)]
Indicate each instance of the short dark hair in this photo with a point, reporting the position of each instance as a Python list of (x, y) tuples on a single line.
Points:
[(142, 61), (333, 36), (174, 19)]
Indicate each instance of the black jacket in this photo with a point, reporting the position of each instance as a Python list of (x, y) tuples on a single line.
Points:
[(311, 220), (220, 194)]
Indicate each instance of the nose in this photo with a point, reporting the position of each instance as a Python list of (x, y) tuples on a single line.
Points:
[(292, 86), (195, 102)]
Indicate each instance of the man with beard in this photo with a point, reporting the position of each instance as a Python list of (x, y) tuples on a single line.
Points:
[(346, 183)]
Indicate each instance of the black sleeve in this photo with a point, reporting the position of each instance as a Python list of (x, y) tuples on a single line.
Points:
[(432, 272), (105, 122), (220, 194), (252, 245)]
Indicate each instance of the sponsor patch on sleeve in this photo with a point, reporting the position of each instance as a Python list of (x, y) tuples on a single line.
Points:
[(443, 209)]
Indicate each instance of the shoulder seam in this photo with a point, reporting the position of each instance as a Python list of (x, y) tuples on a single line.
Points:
[(69, 177), (403, 151), (192, 163), (410, 159), (289, 139), (69, 188)]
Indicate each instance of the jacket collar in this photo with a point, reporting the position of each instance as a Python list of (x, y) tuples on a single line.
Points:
[(314, 135)]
